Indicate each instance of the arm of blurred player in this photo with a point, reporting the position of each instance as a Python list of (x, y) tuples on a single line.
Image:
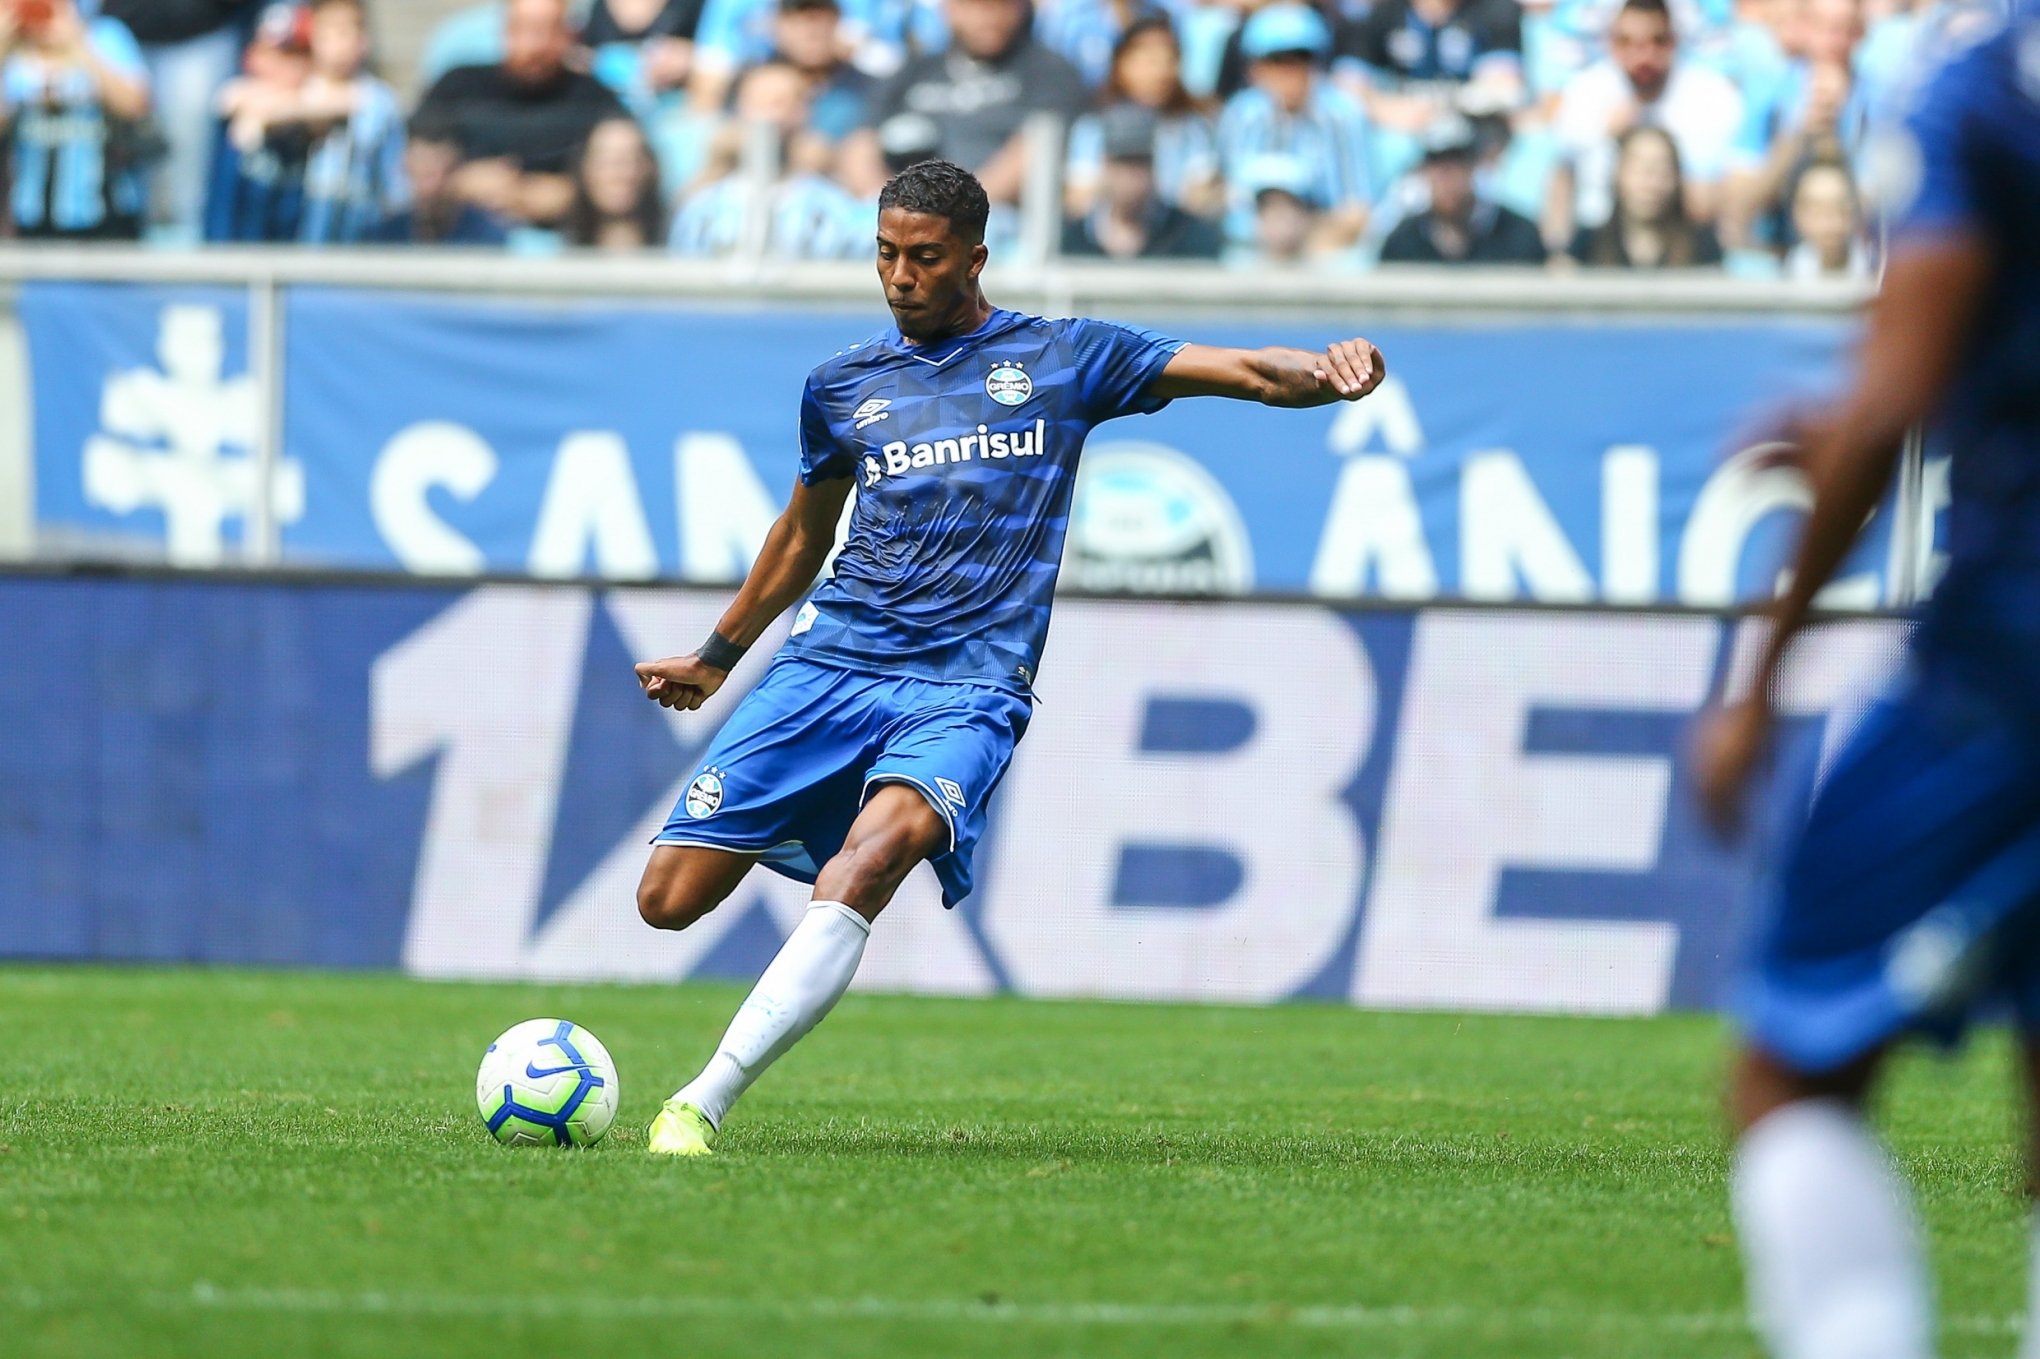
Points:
[(1918, 329), (1293, 378), (787, 565)]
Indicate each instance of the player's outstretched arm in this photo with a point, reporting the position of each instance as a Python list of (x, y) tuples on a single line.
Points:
[(1293, 378), (787, 565), (1918, 330)]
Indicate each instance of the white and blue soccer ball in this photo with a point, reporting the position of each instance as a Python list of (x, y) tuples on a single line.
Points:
[(547, 1083)]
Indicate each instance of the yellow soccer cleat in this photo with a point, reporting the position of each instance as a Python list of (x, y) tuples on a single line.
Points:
[(680, 1130)]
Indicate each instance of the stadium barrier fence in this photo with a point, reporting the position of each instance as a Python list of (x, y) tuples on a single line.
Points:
[(1438, 806)]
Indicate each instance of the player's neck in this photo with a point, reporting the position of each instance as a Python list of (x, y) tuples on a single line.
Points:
[(973, 312)]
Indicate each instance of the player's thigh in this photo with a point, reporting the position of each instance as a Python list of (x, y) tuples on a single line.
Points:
[(895, 830), (682, 883)]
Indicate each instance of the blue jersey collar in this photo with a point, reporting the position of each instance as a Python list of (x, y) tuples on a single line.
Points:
[(943, 350)]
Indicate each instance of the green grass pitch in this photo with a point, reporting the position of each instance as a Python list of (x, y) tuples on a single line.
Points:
[(223, 1164)]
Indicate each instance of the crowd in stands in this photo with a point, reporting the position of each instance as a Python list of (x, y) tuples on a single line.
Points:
[(1558, 134)]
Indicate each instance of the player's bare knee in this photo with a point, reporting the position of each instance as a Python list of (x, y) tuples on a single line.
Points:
[(672, 900), (669, 906)]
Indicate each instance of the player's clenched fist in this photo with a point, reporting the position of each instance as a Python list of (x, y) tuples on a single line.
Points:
[(1356, 368), (683, 682)]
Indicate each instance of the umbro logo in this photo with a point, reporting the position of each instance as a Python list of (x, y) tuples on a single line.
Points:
[(951, 790), (870, 413)]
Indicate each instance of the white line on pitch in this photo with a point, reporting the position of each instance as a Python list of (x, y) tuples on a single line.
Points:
[(206, 1296)]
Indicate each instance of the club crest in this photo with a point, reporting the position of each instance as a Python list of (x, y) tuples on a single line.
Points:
[(1008, 385), (705, 794)]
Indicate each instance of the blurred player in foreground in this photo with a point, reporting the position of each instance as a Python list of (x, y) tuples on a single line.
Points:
[(885, 723), (1906, 902)]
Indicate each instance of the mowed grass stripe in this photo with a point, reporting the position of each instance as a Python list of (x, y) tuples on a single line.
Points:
[(204, 1297)]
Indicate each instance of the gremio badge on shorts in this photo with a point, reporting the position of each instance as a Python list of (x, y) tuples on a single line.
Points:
[(1008, 385), (704, 795)]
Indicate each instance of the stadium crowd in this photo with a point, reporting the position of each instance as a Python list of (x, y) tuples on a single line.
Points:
[(1627, 134)]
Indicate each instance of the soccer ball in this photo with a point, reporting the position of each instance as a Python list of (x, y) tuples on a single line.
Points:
[(547, 1083)]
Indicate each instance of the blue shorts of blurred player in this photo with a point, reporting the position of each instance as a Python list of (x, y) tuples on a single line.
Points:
[(1909, 900), (788, 772)]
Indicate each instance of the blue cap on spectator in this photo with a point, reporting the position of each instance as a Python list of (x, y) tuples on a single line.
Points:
[(1278, 172), (1285, 28)]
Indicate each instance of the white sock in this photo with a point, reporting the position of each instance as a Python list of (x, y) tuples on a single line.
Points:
[(1828, 1237), (800, 986), (2031, 1349)]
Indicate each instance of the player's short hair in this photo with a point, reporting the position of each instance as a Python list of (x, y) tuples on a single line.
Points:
[(1661, 8), (940, 189)]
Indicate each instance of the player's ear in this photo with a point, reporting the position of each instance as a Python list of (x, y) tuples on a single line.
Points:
[(978, 256)]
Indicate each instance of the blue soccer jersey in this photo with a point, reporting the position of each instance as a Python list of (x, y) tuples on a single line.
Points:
[(1971, 160), (965, 454)]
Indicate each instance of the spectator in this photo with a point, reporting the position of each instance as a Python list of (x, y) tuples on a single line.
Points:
[(192, 48), (1575, 33), (1827, 217), (1146, 72), (980, 92), (907, 139), (73, 93), (1459, 225), (786, 208), (1088, 32), (315, 151), (258, 169), (876, 35), (647, 44), (521, 122), (617, 205), (1289, 109), (355, 176), (1280, 190), (437, 215), (1642, 83), (808, 36), (1130, 220), (1650, 227), (1410, 59), (1810, 111)]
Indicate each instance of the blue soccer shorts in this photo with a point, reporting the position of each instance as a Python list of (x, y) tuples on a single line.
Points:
[(1909, 899), (789, 771)]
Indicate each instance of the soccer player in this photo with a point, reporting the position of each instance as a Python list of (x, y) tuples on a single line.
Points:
[(1906, 902), (882, 728)]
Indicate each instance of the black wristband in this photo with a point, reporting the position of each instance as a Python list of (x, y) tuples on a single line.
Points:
[(720, 653)]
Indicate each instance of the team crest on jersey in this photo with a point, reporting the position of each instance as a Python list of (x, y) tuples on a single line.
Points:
[(1008, 385), (705, 794)]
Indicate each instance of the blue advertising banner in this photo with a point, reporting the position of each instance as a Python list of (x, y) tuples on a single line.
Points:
[(442, 435), (1450, 807)]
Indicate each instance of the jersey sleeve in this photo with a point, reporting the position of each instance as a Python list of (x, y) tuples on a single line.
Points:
[(822, 455), (1115, 366), (1936, 151)]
